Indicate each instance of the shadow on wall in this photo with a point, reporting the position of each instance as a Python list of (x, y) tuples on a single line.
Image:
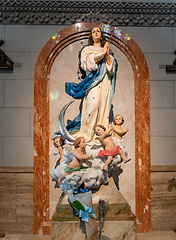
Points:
[(116, 175)]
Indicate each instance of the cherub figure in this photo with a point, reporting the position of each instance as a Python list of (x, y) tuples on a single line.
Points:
[(79, 156), (110, 149), (118, 120), (58, 143)]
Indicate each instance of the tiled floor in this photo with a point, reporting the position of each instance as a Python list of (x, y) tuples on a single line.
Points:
[(140, 236)]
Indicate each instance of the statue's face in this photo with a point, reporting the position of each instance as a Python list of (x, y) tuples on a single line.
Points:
[(57, 142), (96, 34), (118, 120), (99, 130), (82, 143)]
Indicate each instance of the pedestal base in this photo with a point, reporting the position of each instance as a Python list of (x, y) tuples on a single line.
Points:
[(120, 222), (112, 230)]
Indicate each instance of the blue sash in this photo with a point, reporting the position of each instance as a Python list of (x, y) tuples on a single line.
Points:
[(80, 90)]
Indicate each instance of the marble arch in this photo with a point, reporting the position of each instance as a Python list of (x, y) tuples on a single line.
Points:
[(42, 223)]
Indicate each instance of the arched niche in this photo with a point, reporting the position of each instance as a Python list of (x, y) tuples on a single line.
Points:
[(67, 36)]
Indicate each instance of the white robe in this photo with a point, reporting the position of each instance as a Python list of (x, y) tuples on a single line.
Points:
[(96, 103)]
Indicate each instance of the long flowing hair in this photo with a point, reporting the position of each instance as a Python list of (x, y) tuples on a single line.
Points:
[(90, 39), (90, 43)]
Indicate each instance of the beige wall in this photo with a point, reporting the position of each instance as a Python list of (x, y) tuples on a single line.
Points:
[(23, 45)]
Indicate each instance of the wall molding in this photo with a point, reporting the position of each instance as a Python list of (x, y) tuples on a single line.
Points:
[(29, 169), (163, 168), (15, 169), (54, 12)]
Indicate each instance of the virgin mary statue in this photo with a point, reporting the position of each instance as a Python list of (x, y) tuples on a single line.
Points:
[(97, 87)]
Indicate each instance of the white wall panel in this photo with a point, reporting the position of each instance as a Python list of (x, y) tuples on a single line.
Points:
[(161, 94), (22, 72), (151, 40), (14, 122), (162, 151), (19, 93), (157, 65), (18, 151), (163, 122), (27, 38)]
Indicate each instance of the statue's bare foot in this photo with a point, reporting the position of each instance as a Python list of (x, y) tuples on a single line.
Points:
[(62, 159), (127, 160), (105, 167)]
